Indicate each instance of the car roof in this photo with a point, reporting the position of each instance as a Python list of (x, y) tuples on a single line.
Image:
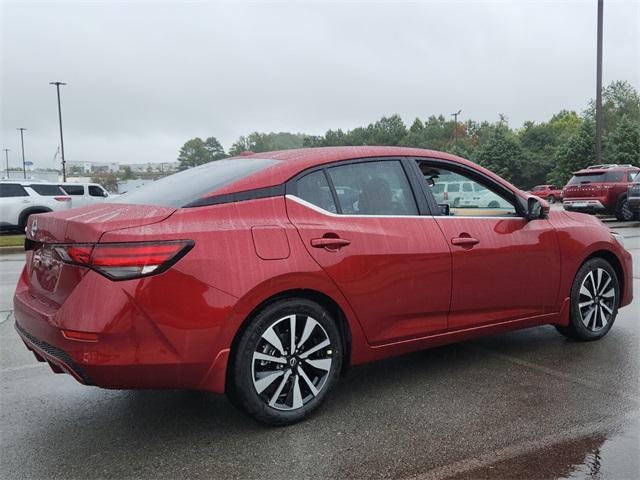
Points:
[(291, 162), (597, 171), (26, 183)]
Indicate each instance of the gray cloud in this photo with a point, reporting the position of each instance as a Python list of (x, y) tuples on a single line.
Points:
[(144, 77)]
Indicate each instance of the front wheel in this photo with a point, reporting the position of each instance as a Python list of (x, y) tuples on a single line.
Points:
[(595, 296), (286, 362), (551, 199)]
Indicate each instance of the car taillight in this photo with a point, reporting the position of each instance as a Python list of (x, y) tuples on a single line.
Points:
[(445, 196), (62, 199), (124, 261)]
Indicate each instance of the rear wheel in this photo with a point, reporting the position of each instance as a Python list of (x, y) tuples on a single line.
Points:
[(286, 362), (551, 199), (595, 296), (623, 212)]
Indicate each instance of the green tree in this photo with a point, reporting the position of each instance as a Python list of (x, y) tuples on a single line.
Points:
[(198, 152), (578, 152), (623, 143), (267, 142), (501, 154)]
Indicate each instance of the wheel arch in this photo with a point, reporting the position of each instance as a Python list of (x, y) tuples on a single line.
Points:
[(313, 295), (24, 214), (615, 263)]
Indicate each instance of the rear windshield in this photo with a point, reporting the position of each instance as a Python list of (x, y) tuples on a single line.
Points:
[(601, 177), (182, 188), (47, 190)]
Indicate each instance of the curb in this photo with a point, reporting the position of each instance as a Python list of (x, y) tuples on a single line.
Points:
[(10, 250)]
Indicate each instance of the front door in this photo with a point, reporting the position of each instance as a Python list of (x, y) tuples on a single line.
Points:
[(504, 267)]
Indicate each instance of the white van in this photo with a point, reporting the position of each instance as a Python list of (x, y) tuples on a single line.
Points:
[(85, 193)]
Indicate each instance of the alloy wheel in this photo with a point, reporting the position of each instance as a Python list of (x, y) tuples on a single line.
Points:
[(597, 300), (291, 362)]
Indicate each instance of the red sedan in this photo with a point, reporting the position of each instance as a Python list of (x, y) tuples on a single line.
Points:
[(549, 192), (266, 276)]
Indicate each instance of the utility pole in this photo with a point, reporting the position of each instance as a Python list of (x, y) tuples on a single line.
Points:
[(6, 155), (599, 118), (455, 128), (64, 170), (24, 166)]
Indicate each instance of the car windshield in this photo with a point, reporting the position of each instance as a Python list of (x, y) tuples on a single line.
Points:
[(182, 188)]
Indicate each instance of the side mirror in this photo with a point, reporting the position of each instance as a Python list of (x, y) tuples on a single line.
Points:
[(536, 208)]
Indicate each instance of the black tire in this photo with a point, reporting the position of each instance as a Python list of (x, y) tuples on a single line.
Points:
[(551, 199), (623, 212), (584, 326), (249, 374)]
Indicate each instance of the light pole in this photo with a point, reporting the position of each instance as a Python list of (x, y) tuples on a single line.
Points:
[(64, 171), (599, 87), (24, 166), (455, 127), (6, 155)]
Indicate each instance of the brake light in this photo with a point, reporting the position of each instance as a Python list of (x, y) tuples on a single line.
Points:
[(124, 261)]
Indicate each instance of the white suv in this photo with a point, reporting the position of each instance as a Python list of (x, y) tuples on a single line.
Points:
[(85, 193), (21, 198)]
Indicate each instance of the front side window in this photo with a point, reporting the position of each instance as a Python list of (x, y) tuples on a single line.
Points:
[(96, 191), (473, 199), (12, 190), (47, 190), (373, 188), (314, 189)]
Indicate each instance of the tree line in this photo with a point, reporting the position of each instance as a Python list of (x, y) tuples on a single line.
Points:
[(536, 153)]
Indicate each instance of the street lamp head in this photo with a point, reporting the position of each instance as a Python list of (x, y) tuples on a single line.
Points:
[(21, 129), (57, 83)]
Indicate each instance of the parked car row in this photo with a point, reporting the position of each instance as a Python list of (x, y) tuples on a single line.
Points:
[(607, 189), (21, 198)]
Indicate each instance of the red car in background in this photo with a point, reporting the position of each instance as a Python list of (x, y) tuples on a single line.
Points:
[(601, 189), (550, 193), (266, 276)]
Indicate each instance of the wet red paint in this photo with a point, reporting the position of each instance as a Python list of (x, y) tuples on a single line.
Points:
[(402, 283)]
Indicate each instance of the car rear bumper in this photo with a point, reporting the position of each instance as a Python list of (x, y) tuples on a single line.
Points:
[(138, 356), (585, 205)]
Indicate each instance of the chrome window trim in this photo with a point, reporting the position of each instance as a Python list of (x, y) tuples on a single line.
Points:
[(344, 215)]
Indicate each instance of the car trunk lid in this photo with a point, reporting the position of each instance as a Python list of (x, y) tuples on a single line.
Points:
[(52, 280)]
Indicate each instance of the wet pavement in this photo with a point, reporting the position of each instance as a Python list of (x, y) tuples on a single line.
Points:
[(527, 404)]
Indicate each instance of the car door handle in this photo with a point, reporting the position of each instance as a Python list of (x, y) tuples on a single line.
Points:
[(465, 241), (330, 243)]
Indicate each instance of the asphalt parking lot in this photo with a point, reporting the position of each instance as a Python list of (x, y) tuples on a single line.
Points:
[(528, 404)]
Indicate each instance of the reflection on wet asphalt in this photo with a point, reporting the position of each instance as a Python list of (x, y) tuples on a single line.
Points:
[(599, 456)]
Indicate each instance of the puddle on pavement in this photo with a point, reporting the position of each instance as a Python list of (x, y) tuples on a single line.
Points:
[(612, 455)]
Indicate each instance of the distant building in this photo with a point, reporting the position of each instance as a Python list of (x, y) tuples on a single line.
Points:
[(79, 167)]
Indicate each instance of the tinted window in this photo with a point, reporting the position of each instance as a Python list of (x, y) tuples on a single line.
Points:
[(373, 188), (473, 199), (12, 190), (96, 191), (73, 189), (47, 190), (586, 178), (314, 188), (182, 188), (615, 176)]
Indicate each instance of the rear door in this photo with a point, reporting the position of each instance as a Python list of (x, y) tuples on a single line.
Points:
[(503, 266), (361, 222)]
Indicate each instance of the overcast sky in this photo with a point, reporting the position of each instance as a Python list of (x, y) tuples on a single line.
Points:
[(145, 77)]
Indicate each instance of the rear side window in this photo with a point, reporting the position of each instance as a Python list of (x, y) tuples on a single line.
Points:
[(454, 187), (183, 188), (618, 176), (373, 188), (315, 189), (47, 190), (96, 191), (12, 190), (73, 189)]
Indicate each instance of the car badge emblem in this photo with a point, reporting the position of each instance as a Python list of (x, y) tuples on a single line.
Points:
[(34, 228)]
